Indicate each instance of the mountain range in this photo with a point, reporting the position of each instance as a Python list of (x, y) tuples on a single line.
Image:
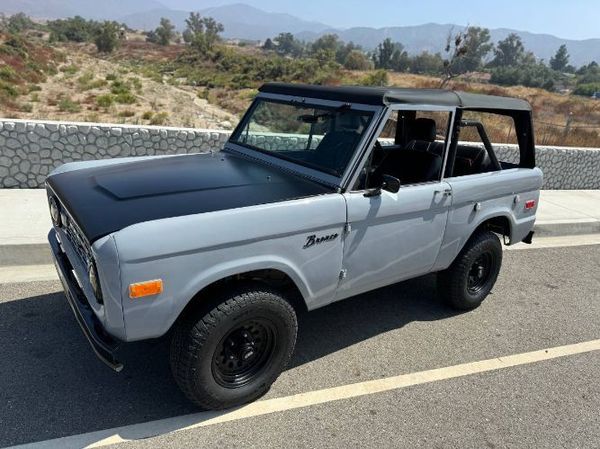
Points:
[(246, 22)]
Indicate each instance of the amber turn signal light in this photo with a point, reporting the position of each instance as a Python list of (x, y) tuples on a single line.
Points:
[(147, 288)]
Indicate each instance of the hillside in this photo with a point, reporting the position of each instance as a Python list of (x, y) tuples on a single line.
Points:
[(149, 84), (90, 9), (79, 86)]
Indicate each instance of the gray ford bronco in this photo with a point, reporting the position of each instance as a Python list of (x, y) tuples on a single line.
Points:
[(320, 194)]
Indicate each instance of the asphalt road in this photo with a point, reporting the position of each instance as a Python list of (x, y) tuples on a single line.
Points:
[(52, 386)]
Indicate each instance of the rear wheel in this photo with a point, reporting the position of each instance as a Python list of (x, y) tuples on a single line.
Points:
[(472, 275), (232, 354)]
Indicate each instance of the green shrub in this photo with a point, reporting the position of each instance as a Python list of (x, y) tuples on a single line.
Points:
[(531, 75), (69, 69), (159, 119), (26, 107), (105, 101), (587, 89), (8, 89), (376, 78), (34, 88), (111, 77), (137, 84), (125, 98), (68, 105), (35, 97), (126, 113), (8, 74), (147, 115), (119, 87)]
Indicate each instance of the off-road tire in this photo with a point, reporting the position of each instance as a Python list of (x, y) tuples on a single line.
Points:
[(454, 282), (197, 339)]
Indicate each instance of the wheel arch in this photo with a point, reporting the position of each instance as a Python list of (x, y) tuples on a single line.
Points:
[(498, 221), (498, 224), (283, 279)]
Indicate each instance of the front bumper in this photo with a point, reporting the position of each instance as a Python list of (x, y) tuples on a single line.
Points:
[(104, 345)]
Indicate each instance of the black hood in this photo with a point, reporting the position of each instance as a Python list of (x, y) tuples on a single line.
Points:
[(108, 198)]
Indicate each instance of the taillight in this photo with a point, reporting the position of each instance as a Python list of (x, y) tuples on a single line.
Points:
[(529, 204)]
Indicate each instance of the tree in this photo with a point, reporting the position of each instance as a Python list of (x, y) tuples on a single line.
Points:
[(269, 45), (202, 33), (427, 63), (400, 60), (560, 60), (73, 29), (107, 37), (18, 23), (456, 48), (164, 34), (344, 50), (476, 45), (508, 52), (357, 60), (383, 54), (325, 47), (530, 75), (287, 45)]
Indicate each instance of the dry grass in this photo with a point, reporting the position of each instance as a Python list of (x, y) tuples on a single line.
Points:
[(551, 111)]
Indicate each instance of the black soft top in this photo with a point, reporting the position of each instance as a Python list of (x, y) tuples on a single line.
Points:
[(384, 96)]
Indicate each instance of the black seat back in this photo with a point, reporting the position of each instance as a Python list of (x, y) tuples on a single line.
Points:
[(421, 134), (410, 166)]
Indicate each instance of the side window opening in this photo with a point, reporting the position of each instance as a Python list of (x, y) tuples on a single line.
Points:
[(480, 136), (410, 148)]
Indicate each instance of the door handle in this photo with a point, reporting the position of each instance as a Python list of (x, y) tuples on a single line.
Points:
[(445, 192)]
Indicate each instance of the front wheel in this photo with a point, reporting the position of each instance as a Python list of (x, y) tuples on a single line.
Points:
[(472, 275), (232, 354)]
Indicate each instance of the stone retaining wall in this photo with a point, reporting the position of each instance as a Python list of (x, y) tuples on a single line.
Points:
[(29, 150)]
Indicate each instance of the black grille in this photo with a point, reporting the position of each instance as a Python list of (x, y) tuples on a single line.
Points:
[(78, 241)]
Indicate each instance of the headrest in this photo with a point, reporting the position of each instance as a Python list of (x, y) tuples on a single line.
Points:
[(423, 129), (348, 122)]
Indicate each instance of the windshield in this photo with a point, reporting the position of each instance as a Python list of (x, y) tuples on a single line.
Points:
[(318, 137)]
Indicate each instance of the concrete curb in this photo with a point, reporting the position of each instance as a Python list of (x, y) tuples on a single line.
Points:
[(39, 253), (558, 228), (25, 254)]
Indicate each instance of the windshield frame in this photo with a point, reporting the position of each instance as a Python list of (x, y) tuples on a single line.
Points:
[(317, 174)]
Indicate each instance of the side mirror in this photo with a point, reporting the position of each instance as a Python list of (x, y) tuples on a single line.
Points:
[(389, 183)]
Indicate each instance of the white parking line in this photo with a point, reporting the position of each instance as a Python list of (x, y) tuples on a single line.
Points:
[(188, 422)]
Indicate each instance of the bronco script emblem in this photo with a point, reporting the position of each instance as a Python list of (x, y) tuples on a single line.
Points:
[(313, 240)]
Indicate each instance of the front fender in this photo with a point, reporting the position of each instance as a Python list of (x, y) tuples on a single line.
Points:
[(192, 252)]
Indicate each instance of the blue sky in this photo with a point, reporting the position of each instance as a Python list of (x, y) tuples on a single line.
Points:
[(574, 19)]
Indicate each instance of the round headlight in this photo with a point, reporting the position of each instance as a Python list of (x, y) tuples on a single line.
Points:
[(94, 281), (64, 220), (54, 211)]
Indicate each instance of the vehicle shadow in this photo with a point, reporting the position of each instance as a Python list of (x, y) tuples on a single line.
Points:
[(51, 384)]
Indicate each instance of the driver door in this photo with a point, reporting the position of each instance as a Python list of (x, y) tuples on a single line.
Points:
[(396, 236)]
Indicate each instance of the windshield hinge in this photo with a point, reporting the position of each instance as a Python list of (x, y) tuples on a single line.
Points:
[(347, 228), (343, 274)]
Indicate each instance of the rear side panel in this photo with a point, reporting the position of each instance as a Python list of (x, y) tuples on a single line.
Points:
[(478, 198)]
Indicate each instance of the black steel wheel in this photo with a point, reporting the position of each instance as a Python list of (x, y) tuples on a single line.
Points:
[(472, 275), (230, 353), (244, 353), (480, 273)]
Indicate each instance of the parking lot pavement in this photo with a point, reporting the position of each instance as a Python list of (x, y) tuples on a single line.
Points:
[(52, 386)]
